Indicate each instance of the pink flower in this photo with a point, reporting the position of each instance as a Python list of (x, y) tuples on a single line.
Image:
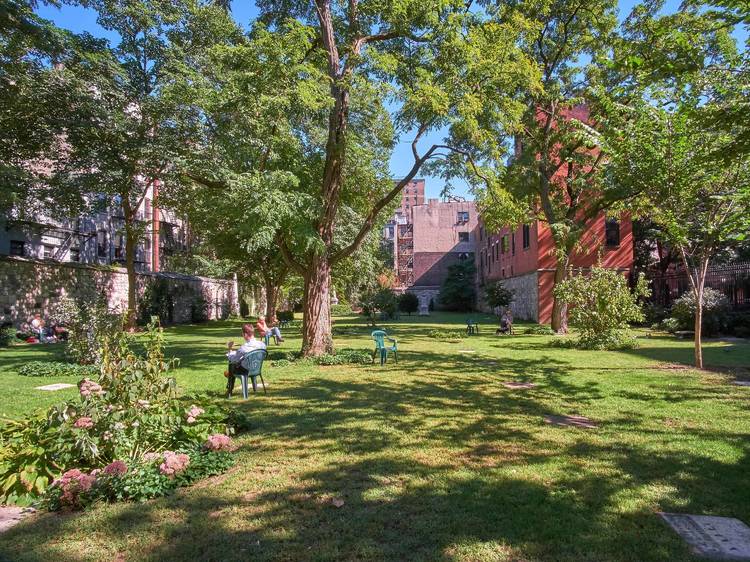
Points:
[(193, 413), (84, 423), (90, 388), (73, 483), (174, 463), (151, 457), (116, 468), (218, 442)]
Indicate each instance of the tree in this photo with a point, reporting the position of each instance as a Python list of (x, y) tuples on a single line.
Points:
[(429, 58), (498, 295), (457, 291), (701, 201), (408, 302), (127, 129)]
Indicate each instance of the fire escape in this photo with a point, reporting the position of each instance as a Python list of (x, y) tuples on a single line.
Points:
[(406, 255)]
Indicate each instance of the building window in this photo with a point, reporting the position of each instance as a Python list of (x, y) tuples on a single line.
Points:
[(463, 236), (504, 242), (119, 246), (49, 252), (612, 232), (101, 244), (17, 248), (526, 236), (462, 217), (481, 233), (75, 254), (513, 244)]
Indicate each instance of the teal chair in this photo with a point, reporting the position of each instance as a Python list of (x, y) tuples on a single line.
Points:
[(472, 327), (267, 339), (252, 363), (380, 346)]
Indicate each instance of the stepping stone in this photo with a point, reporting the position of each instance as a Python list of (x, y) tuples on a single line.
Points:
[(56, 386), (11, 515), (741, 383), (466, 351), (570, 421), (722, 538), (515, 385)]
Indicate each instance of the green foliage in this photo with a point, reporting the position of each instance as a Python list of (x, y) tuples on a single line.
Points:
[(457, 291), (88, 324), (129, 412), (540, 330), (602, 306), (715, 312), (497, 295), (56, 369), (7, 336), (408, 302), (340, 310), (343, 356), (285, 315), (381, 300), (157, 300), (446, 335)]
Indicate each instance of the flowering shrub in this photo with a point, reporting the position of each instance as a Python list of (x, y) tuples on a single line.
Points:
[(122, 423), (218, 442)]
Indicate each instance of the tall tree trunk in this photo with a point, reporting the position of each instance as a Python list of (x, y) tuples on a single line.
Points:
[(698, 352), (559, 308), (130, 244), (316, 323), (272, 297)]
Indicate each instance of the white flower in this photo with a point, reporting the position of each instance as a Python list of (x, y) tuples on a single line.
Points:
[(135, 424), (119, 426)]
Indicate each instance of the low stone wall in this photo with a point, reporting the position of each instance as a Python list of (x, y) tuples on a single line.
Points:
[(29, 286), (525, 304)]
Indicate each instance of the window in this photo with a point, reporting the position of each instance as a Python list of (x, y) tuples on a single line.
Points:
[(481, 233), (526, 236), (119, 246), (462, 217), (49, 252), (17, 248), (463, 236), (612, 232), (513, 244), (101, 244), (75, 254), (504, 242)]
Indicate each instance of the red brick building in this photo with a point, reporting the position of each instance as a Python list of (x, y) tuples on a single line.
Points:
[(524, 259)]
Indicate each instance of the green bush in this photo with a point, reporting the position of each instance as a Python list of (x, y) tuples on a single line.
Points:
[(446, 335), (88, 323), (7, 336), (157, 300), (408, 302), (381, 300), (198, 308), (130, 411), (56, 369), (670, 325), (715, 312), (340, 309), (285, 315), (497, 295), (739, 324), (602, 306), (457, 291), (540, 330)]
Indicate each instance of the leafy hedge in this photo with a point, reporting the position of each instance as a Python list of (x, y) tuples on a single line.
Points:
[(56, 369), (344, 356), (446, 335), (540, 330)]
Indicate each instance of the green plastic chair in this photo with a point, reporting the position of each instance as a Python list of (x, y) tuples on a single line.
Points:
[(380, 346), (252, 362), (472, 327)]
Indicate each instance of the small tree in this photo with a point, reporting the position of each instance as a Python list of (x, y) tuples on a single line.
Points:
[(602, 306), (457, 292), (408, 302), (498, 295)]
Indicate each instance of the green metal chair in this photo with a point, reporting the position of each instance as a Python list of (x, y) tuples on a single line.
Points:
[(252, 363), (380, 346), (472, 327)]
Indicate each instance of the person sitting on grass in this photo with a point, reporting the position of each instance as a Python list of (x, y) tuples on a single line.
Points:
[(506, 323), (235, 356), (264, 330)]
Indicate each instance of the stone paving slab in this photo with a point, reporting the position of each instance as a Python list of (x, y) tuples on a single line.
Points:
[(570, 421), (56, 386), (11, 515), (741, 383), (467, 351), (720, 538), (516, 385)]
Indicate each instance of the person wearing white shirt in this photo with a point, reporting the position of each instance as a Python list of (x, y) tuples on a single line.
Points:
[(235, 355)]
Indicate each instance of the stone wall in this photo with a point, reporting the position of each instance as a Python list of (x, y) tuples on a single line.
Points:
[(525, 304), (29, 286)]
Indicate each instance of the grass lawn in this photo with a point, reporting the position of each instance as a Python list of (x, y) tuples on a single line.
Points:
[(433, 458)]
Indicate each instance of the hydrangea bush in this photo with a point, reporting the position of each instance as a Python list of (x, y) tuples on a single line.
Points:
[(126, 436)]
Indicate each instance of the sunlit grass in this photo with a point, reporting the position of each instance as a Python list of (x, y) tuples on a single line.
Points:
[(433, 458)]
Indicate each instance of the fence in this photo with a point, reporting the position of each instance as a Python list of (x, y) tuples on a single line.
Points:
[(732, 280)]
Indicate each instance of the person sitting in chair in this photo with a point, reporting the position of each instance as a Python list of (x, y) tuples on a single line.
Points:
[(506, 323), (235, 355), (264, 330)]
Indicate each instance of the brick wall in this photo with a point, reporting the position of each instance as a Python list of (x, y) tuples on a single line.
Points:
[(29, 286)]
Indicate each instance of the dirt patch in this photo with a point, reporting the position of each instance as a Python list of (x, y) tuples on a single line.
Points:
[(571, 421)]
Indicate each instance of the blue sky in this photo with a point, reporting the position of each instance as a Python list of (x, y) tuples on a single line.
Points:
[(79, 19)]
